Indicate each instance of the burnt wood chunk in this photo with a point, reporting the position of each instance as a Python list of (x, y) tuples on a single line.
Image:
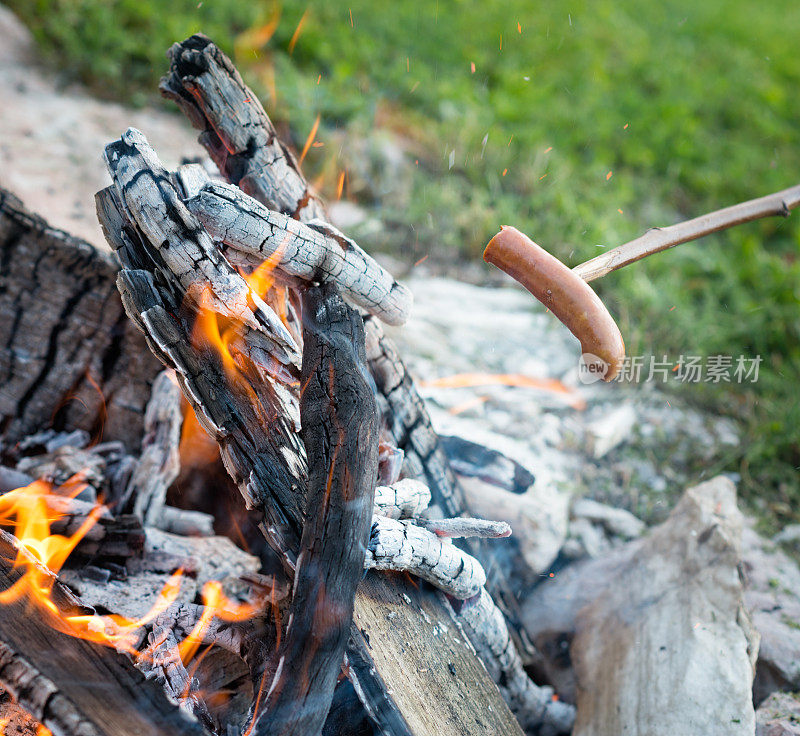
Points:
[(69, 357), (340, 431), (235, 130)]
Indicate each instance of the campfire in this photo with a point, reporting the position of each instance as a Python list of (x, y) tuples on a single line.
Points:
[(224, 508)]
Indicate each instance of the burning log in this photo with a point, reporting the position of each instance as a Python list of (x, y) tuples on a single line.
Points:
[(402, 500), (313, 252), (240, 408), (87, 689), (239, 136), (406, 547), (159, 463)]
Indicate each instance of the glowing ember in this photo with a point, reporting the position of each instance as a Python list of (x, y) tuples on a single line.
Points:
[(471, 380), (310, 139)]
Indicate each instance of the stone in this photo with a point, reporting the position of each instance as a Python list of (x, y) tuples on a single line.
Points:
[(779, 715), (665, 610), (772, 596), (615, 521)]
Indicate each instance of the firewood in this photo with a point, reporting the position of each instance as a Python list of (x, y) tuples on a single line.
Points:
[(159, 463), (313, 252), (404, 546), (255, 433), (240, 138), (402, 500), (235, 130), (64, 336)]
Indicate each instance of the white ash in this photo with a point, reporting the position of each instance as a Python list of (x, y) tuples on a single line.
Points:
[(402, 500), (310, 251)]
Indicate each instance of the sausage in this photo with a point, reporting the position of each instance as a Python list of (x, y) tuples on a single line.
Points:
[(565, 294)]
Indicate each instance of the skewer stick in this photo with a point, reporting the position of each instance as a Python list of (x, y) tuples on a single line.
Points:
[(661, 238)]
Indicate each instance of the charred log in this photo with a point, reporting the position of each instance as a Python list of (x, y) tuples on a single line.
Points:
[(85, 689), (64, 336), (339, 430)]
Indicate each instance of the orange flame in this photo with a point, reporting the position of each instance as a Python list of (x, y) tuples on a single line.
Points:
[(216, 605), (41, 555), (220, 333), (470, 380)]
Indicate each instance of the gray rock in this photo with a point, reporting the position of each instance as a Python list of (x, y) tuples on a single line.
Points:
[(615, 521), (779, 715), (664, 610), (772, 596)]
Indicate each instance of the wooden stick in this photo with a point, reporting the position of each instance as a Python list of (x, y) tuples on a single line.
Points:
[(661, 238)]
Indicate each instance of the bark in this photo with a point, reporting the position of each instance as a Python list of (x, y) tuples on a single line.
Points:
[(64, 337)]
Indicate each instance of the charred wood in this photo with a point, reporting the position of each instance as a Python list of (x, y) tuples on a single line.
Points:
[(87, 690), (64, 336), (339, 430)]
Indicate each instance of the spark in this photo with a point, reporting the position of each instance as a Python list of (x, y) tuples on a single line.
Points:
[(672, 307), (548, 149), (619, 210), (298, 30), (340, 185), (310, 139), (505, 171), (472, 67), (422, 260), (351, 17), (625, 127), (609, 175), (319, 79), (519, 27)]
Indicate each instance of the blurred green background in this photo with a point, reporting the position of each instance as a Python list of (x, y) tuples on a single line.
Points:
[(581, 123)]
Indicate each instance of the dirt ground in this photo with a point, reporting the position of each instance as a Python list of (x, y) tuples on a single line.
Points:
[(52, 139)]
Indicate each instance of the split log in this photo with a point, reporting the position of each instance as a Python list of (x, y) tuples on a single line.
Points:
[(313, 252), (339, 430), (64, 337), (235, 130), (85, 689)]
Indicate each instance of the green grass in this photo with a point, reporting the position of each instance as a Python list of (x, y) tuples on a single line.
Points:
[(691, 106)]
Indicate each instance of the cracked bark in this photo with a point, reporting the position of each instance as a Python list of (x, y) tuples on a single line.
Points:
[(64, 336)]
